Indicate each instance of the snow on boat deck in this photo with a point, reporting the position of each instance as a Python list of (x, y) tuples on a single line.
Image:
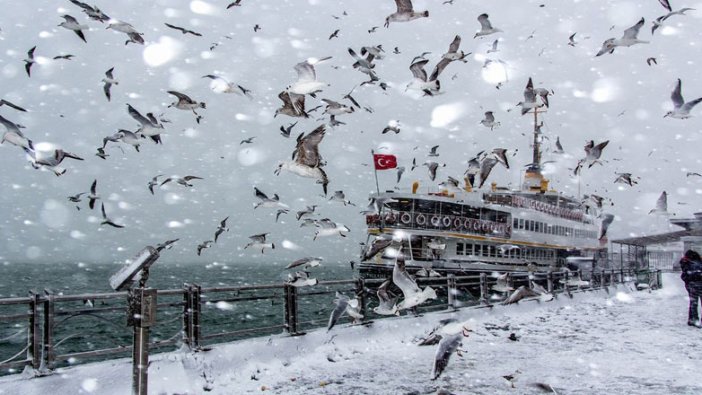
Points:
[(624, 341)]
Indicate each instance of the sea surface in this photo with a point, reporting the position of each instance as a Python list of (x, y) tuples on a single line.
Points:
[(80, 326)]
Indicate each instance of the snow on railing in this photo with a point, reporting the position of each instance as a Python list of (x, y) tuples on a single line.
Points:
[(58, 327)]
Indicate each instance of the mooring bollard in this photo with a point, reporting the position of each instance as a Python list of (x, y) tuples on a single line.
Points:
[(141, 315)]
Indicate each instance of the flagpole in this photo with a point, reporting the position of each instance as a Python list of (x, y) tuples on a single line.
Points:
[(375, 170)]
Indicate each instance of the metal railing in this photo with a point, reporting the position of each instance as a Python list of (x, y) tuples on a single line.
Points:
[(62, 330)]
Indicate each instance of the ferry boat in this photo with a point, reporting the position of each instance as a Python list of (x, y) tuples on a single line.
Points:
[(469, 231)]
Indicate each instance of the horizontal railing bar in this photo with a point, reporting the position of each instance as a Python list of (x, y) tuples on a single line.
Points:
[(242, 288), (14, 317), (241, 299), (241, 332), (81, 297), (9, 301), (9, 365)]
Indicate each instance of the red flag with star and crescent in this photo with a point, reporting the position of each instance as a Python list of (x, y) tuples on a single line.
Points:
[(384, 161)]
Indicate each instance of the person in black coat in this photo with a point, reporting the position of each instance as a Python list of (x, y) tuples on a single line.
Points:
[(691, 267)]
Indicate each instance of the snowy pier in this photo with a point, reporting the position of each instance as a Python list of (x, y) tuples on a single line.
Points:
[(63, 330)]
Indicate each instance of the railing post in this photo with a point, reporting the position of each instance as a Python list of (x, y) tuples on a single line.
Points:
[(549, 282), (48, 334), (483, 288), (187, 315), (361, 295), (290, 309), (603, 282), (33, 335), (566, 277), (196, 310), (451, 290)]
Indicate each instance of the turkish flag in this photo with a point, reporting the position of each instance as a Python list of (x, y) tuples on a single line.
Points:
[(384, 162)]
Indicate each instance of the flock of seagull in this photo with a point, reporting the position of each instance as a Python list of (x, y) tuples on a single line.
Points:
[(306, 159)]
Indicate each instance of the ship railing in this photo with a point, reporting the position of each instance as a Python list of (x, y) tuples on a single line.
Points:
[(44, 331), (434, 221)]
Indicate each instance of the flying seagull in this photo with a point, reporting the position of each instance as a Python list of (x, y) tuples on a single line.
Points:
[(184, 102), (221, 228), (307, 83), (125, 136), (14, 135), (181, 180), (661, 205), (236, 3), (220, 84), (153, 183), (109, 80), (150, 126), (308, 262), (259, 241), (71, 23), (386, 300), (489, 120), (183, 30), (628, 39), (681, 108), (413, 295), (286, 130), (404, 13), (93, 196), (307, 162), (485, 26), (29, 61), (4, 102), (203, 245), (344, 305), (108, 221), (266, 202), (92, 11), (293, 105), (447, 346)]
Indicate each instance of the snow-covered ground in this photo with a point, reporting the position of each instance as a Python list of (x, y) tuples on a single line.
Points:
[(621, 342)]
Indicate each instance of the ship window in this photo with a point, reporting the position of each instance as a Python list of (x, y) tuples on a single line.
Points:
[(459, 248), (471, 212), (450, 209), (493, 251), (401, 205), (469, 249), (515, 223), (426, 206), (549, 229)]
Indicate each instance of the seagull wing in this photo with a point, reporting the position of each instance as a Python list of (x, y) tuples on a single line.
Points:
[(676, 96), (403, 5), (688, 106), (447, 346), (666, 5), (402, 280), (485, 168), (137, 116), (305, 72), (439, 68), (633, 31), (484, 22), (181, 96), (341, 302), (261, 238), (417, 69), (308, 147), (453, 47)]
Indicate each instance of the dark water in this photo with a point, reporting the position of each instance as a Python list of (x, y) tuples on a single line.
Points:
[(78, 330)]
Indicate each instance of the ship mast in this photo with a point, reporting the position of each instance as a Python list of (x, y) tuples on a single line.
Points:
[(533, 179)]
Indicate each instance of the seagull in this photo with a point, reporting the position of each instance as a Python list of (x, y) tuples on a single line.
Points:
[(386, 301), (236, 3), (14, 135), (529, 102), (571, 40), (429, 85), (308, 262), (92, 11), (334, 108), (344, 305), (51, 160), (432, 151), (166, 245), (378, 245), (628, 39), (222, 227), (4, 102), (256, 28), (181, 180), (393, 126), (135, 38), (604, 225), (329, 228), (661, 205), (400, 170), (301, 279), (286, 130), (150, 126), (71, 23), (511, 378), (485, 26), (221, 85), (259, 241), (101, 153), (307, 162), (122, 27), (559, 147), (124, 136), (453, 52), (447, 346), (108, 80), (681, 108), (183, 30), (153, 183), (267, 202), (486, 166), (76, 199), (203, 245), (372, 29), (592, 154), (489, 121), (184, 102), (93, 196), (501, 283), (432, 166), (29, 61), (247, 141), (293, 105), (335, 34), (625, 178), (404, 13), (413, 295), (651, 60), (308, 211), (339, 196), (107, 221), (665, 4), (519, 294), (280, 211), (307, 83), (364, 65)]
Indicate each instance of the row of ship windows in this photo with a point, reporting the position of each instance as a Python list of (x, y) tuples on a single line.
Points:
[(542, 227), (504, 251)]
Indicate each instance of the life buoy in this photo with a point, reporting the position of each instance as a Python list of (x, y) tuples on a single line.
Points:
[(476, 225), (457, 223), (390, 218), (491, 227), (406, 218), (420, 219), (435, 221), (485, 227), (446, 221)]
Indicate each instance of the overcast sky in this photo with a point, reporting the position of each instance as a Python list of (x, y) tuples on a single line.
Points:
[(614, 97)]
